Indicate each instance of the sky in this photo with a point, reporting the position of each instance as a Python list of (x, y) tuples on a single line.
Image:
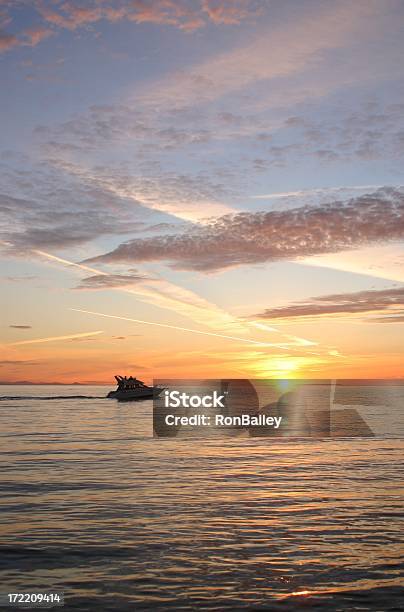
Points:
[(201, 189)]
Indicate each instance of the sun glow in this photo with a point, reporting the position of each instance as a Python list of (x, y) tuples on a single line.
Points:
[(283, 367)]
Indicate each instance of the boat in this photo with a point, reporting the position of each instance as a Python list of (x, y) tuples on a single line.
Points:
[(130, 388)]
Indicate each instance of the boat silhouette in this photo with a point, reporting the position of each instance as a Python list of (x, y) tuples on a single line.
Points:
[(130, 388)]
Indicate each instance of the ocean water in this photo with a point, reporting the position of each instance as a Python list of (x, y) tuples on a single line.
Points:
[(93, 506)]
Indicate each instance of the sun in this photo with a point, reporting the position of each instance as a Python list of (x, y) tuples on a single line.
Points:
[(278, 367)]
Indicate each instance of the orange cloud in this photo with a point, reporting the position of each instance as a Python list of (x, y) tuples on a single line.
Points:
[(229, 12), (7, 41), (36, 35), (184, 15)]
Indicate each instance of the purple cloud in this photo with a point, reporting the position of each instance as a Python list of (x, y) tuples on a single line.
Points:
[(249, 238), (111, 281), (359, 302)]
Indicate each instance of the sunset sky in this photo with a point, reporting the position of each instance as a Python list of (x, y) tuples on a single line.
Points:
[(201, 188)]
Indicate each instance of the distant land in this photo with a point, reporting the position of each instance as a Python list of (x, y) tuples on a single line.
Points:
[(60, 384)]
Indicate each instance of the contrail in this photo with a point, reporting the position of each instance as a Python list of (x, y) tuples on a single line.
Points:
[(55, 338), (146, 292), (161, 293), (298, 339), (186, 329), (66, 262)]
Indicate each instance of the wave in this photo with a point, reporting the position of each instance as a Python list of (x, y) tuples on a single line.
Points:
[(4, 398)]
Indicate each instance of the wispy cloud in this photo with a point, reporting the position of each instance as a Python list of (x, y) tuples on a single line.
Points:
[(44, 207), (110, 281), (20, 279), (161, 293), (364, 133), (385, 260), (387, 319), (319, 191), (21, 326), (356, 303), (167, 295), (180, 300), (18, 362), (185, 329), (56, 338), (190, 101), (291, 48)]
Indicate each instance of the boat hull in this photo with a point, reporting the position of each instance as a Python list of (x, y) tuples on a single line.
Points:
[(131, 395)]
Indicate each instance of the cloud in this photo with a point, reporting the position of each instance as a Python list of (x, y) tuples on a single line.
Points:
[(91, 339), (7, 41), (185, 329), (360, 302), (188, 197), (256, 132), (369, 132), (20, 279), (229, 12), (71, 16), (30, 36), (112, 198), (56, 338), (125, 123), (45, 207), (110, 281), (164, 294), (36, 35), (388, 319), (182, 14), (18, 362), (248, 238), (291, 48), (313, 192), (21, 326)]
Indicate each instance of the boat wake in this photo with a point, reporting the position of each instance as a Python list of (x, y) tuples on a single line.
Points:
[(9, 398)]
